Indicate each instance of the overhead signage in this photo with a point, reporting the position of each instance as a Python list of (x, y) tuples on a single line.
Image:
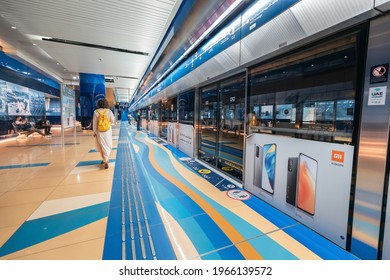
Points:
[(262, 12)]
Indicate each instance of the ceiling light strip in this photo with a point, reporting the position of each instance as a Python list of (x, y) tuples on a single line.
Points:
[(81, 44)]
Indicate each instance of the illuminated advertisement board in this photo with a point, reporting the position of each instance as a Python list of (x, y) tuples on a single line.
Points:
[(308, 180)]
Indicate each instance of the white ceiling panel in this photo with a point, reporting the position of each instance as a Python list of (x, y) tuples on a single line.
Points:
[(96, 61), (121, 26)]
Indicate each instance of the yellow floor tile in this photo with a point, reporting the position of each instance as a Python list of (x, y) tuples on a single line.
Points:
[(89, 250), (24, 196), (6, 233), (7, 185), (100, 175), (16, 215), (64, 191), (40, 182)]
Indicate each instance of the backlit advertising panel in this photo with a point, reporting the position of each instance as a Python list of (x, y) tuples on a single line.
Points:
[(308, 180)]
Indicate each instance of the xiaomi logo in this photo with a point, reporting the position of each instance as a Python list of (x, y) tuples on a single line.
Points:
[(338, 156)]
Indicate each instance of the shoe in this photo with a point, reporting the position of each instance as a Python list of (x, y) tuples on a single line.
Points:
[(105, 165)]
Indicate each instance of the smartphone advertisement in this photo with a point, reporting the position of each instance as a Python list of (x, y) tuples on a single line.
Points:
[(308, 180), (155, 127), (186, 139), (172, 134)]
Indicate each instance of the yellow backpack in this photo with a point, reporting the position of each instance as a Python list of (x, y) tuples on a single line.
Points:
[(103, 123)]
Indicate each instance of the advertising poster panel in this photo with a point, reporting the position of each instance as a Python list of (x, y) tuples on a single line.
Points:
[(186, 139), (68, 106), (308, 180), (172, 134), (23, 101), (3, 98), (53, 106), (144, 124), (155, 129)]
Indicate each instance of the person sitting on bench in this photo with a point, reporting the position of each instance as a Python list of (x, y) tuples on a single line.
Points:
[(44, 123), (25, 127), (21, 123)]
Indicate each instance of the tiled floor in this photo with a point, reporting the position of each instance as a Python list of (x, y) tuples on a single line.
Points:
[(30, 193)]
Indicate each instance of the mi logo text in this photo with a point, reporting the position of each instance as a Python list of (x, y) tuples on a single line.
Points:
[(337, 158)]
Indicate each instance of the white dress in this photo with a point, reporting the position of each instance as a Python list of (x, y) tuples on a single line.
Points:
[(103, 139)]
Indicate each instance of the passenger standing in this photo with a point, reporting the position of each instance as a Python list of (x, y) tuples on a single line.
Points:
[(103, 138), (138, 119)]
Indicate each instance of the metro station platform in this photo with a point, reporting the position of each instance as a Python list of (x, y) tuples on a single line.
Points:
[(153, 202)]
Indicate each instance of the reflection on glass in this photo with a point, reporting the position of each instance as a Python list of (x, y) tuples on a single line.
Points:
[(283, 112), (231, 129), (324, 111), (293, 115), (345, 110), (208, 125), (344, 115), (309, 114), (266, 112), (311, 94), (186, 107)]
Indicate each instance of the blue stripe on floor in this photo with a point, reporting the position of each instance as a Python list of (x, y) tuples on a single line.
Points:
[(113, 241), (91, 162), (95, 151), (24, 165), (161, 241), (313, 241), (39, 230)]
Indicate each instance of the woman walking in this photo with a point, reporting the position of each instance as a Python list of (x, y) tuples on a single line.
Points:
[(102, 120)]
